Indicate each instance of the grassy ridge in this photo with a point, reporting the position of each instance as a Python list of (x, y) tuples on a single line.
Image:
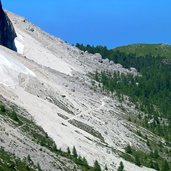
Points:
[(155, 50)]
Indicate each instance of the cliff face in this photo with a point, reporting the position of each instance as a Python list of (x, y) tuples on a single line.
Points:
[(7, 32)]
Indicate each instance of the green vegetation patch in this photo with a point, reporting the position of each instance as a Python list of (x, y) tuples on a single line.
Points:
[(9, 162), (139, 50), (150, 91), (151, 160)]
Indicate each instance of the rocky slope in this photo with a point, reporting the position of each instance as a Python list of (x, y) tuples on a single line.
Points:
[(28, 142), (51, 86)]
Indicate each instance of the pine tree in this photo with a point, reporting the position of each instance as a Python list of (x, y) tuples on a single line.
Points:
[(156, 166), (74, 152), (2, 107), (165, 166), (121, 167), (137, 161), (85, 163), (68, 151), (14, 116), (54, 147), (97, 166), (79, 160), (156, 154), (28, 158), (128, 149)]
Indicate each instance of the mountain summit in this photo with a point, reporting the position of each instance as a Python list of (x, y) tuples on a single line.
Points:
[(7, 32)]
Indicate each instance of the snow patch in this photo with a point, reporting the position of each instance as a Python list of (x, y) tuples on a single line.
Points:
[(10, 69), (19, 43)]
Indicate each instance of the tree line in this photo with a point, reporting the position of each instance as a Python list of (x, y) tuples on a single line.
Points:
[(150, 91)]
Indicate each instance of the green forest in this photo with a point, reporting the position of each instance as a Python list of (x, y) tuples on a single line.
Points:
[(150, 90)]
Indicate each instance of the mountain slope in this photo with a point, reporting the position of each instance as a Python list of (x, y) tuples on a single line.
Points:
[(62, 98), (25, 146)]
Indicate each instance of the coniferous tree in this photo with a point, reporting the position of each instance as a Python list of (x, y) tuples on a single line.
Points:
[(121, 167), (137, 160), (2, 107), (156, 166), (85, 163), (68, 151), (97, 166), (165, 166), (14, 116), (74, 152), (128, 149)]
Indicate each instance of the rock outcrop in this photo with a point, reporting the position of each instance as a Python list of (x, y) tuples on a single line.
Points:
[(7, 32)]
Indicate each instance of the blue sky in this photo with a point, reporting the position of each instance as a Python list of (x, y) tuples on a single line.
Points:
[(99, 22)]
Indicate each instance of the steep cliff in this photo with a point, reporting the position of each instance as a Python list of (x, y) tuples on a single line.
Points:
[(7, 32)]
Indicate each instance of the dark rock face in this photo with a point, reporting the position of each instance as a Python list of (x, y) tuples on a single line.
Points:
[(7, 32)]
